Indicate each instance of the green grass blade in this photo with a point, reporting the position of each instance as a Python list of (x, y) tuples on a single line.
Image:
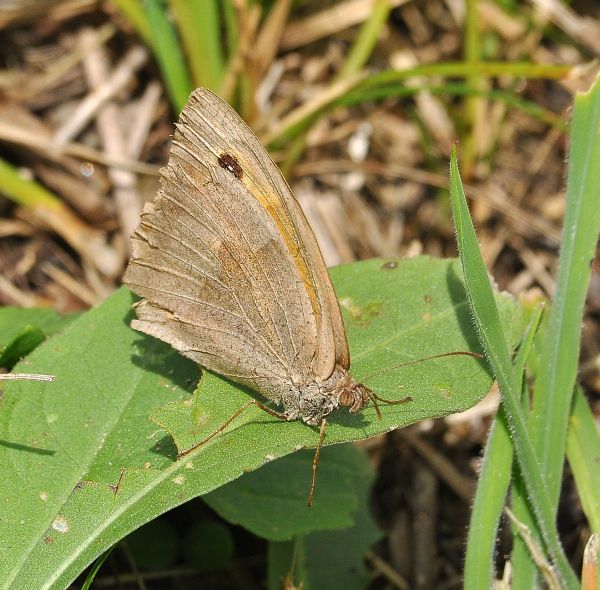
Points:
[(168, 54), (89, 579), (366, 39), (200, 29), (133, 11), (491, 334), (365, 91), (231, 28), (493, 485), (560, 355), (357, 57), (560, 350), (583, 450)]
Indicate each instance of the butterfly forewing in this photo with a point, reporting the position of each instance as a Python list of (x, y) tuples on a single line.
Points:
[(230, 270)]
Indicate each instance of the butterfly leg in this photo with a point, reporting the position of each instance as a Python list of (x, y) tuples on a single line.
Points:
[(315, 463), (225, 424)]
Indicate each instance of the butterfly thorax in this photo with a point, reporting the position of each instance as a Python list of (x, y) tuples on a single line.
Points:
[(314, 401)]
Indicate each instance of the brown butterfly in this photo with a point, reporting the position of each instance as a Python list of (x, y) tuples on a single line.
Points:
[(232, 276)]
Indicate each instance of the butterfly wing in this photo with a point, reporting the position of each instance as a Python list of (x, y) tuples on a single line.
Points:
[(229, 268)]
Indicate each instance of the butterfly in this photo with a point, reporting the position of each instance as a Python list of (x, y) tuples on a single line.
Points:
[(232, 277)]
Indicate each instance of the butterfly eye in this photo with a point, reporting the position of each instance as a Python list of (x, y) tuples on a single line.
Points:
[(346, 399)]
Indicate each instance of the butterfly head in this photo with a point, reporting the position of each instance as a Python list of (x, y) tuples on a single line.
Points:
[(353, 395)]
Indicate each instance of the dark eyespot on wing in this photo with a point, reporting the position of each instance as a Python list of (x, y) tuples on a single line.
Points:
[(230, 163)]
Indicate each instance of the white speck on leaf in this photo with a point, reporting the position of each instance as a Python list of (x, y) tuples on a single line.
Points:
[(60, 524)]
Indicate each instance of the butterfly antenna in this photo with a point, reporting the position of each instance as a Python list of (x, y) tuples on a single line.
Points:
[(315, 463), (426, 358), (391, 402)]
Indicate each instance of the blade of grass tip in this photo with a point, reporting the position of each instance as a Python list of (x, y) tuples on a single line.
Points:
[(200, 29), (560, 350), (168, 54), (489, 328), (524, 349), (583, 450), (89, 579), (134, 12), (493, 483)]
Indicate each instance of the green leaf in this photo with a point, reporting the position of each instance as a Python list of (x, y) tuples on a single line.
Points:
[(13, 320), (271, 501), (63, 444), (82, 466), (396, 314), (209, 545), (22, 330), (330, 559)]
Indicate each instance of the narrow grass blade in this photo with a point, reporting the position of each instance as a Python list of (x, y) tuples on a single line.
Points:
[(493, 484), (133, 11), (560, 351), (200, 28), (357, 57), (89, 580), (366, 39), (583, 450), (491, 334), (168, 54), (560, 356)]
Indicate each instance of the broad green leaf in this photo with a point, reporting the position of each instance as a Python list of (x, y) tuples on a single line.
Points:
[(209, 545), (63, 444), (13, 320), (20, 346), (22, 330), (331, 559), (271, 501), (82, 465)]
